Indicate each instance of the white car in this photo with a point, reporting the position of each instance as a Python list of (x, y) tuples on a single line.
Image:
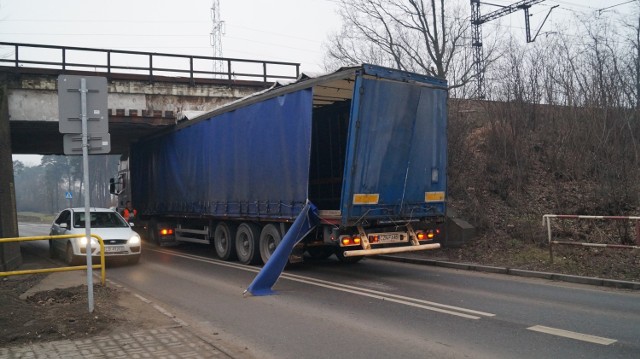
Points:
[(119, 239)]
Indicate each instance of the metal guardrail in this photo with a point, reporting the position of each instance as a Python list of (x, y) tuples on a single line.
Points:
[(101, 266), (546, 220), (118, 61)]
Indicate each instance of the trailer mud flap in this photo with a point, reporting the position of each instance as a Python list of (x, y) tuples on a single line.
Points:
[(269, 274)]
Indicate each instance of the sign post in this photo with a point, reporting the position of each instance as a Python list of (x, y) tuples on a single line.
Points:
[(92, 122)]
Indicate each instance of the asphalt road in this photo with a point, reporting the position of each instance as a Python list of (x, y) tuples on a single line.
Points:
[(379, 309)]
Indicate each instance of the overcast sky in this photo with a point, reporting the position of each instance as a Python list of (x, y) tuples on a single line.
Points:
[(278, 30), (286, 30)]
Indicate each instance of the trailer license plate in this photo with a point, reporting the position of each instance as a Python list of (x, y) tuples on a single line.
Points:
[(389, 237), (113, 249)]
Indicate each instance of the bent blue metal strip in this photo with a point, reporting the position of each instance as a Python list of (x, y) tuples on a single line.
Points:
[(304, 223)]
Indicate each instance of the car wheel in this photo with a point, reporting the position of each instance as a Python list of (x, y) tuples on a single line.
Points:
[(69, 257)]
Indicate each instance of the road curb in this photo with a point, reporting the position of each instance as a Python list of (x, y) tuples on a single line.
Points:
[(517, 272)]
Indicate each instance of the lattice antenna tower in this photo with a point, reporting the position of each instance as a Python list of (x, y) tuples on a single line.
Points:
[(476, 32), (217, 31)]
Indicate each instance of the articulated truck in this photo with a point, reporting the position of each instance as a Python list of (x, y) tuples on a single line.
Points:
[(365, 145)]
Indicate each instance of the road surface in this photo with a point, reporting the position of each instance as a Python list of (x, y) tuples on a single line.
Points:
[(380, 309)]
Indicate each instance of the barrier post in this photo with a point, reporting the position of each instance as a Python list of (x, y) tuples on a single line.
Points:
[(549, 236)]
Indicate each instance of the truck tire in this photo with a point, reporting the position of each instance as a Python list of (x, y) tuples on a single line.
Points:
[(270, 238), (224, 238), (247, 243)]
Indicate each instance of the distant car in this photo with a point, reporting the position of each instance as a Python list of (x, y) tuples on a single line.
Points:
[(119, 239)]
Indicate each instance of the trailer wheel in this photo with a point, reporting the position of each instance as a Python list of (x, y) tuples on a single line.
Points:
[(270, 238), (224, 241), (247, 243)]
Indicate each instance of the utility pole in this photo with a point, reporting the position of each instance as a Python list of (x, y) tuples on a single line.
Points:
[(216, 38), (476, 32)]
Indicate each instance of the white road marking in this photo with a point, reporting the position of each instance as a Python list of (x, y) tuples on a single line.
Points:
[(572, 335), (401, 297), (408, 301)]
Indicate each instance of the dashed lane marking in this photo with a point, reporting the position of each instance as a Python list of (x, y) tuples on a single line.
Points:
[(572, 335)]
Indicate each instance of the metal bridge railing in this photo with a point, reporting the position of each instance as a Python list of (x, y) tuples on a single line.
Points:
[(100, 266), (67, 58)]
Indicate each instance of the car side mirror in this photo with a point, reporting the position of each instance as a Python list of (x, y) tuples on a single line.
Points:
[(131, 224), (112, 186), (64, 225)]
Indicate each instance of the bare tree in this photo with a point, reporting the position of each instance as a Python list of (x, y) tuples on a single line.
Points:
[(412, 35)]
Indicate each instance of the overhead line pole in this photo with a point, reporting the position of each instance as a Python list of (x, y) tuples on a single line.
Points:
[(476, 33)]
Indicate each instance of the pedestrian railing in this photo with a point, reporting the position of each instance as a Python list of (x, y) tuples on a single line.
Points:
[(100, 266), (546, 221)]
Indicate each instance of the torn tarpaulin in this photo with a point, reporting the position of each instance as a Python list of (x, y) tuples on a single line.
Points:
[(267, 277)]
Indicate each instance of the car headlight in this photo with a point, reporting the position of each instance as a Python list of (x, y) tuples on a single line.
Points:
[(134, 240), (83, 242)]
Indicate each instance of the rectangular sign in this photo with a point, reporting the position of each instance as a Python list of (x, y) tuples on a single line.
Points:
[(99, 143), (70, 104)]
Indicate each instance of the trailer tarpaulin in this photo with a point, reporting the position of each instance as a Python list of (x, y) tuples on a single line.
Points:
[(269, 274), (252, 161)]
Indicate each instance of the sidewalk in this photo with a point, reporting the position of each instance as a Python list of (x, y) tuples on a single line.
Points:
[(175, 342), (174, 339)]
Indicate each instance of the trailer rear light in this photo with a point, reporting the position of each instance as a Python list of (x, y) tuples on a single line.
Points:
[(166, 232), (350, 241), (427, 235), (374, 239)]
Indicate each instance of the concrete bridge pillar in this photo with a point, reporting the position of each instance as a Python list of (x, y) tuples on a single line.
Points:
[(10, 257)]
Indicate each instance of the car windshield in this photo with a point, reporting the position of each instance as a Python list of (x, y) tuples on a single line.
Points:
[(99, 220)]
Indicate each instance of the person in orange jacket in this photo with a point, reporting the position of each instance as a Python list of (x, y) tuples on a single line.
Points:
[(129, 213)]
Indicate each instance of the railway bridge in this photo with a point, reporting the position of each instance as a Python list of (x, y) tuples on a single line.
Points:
[(146, 93)]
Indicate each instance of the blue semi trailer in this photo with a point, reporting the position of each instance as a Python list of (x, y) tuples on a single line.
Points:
[(366, 145)]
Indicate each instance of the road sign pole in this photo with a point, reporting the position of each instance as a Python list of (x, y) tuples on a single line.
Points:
[(87, 202), (93, 105)]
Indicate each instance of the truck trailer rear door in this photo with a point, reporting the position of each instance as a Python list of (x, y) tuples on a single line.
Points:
[(396, 151)]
